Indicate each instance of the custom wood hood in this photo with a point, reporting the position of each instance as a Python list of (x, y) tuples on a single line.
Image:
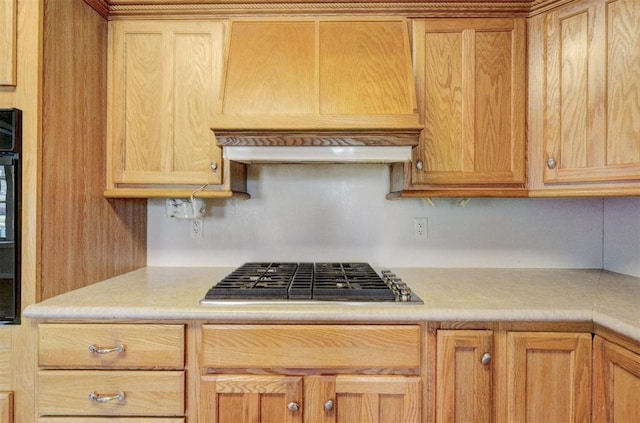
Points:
[(317, 82)]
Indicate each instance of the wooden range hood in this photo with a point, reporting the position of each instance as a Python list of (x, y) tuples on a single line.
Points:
[(317, 82)]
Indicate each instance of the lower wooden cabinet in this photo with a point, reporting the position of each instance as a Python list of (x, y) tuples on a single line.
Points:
[(464, 387), (310, 399), (616, 392), (116, 373), (548, 377), (311, 374), (532, 377)]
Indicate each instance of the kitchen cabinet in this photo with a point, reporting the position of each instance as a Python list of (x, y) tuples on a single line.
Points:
[(464, 390), (164, 78), (584, 88), (8, 37), (110, 370), (549, 377), (513, 376), (311, 373), (471, 79), (616, 392)]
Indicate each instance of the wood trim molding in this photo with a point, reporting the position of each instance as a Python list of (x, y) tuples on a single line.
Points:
[(122, 9)]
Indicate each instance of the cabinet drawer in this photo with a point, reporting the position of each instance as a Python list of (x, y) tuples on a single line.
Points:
[(145, 346), (146, 393), (311, 346), (108, 420)]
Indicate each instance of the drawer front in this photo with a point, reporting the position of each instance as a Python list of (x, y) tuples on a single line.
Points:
[(146, 393), (144, 346), (311, 346), (109, 420)]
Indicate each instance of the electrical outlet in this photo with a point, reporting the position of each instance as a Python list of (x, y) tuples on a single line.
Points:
[(197, 227), (420, 230), (184, 208)]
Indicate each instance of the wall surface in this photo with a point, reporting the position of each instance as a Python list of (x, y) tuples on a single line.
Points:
[(339, 212), (622, 235)]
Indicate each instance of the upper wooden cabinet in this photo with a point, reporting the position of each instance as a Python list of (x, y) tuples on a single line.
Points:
[(584, 89), (8, 35), (163, 78), (471, 98)]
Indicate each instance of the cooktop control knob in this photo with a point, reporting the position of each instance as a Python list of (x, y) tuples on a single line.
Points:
[(400, 289)]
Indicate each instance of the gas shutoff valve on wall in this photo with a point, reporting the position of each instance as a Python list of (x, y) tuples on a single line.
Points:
[(185, 208)]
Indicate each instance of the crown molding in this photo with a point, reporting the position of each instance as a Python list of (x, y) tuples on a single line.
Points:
[(185, 9)]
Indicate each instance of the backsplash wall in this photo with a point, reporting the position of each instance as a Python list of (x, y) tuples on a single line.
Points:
[(316, 212)]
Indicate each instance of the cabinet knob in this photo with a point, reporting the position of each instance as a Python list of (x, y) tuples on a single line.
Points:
[(106, 350), (419, 165), (95, 397), (293, 406), (486, 359), (551, 163), (214, 166), (328, 406)]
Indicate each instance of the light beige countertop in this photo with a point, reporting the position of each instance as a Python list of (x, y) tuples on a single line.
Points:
[(463, 294)]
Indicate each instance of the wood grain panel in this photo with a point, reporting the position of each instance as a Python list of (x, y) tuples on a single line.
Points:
[(72, 253), (147, 393), (493, 98), (311, 346), (6, 407), (442, 135), (145, 346), (574, 91), (8, 37), (363, 68), (464, 385), (623, 82), (193, 142), (250, 399), (563, 362), (616, 393), (277, 74), (145, 135), (378, 399)]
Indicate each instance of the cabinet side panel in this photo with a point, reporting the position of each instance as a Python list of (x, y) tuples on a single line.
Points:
[(623, 82)]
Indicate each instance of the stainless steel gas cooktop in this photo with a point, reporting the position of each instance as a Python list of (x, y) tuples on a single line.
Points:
[(309, 282)]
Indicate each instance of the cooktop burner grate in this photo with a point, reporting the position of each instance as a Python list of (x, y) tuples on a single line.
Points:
[(304, 281)]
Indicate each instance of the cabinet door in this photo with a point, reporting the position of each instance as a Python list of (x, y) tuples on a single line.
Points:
[(464, 376), (616, 383), (548, 377), (164, 77), (251, 399), (591, 127), (471, 97), (8, 35), (362, 399)]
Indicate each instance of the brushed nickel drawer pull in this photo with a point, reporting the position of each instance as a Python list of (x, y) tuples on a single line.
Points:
[(95, 397), (101, 350)]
